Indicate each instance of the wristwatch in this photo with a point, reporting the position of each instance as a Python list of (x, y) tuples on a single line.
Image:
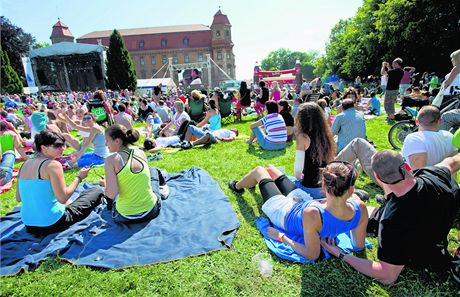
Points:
[(342, 254)]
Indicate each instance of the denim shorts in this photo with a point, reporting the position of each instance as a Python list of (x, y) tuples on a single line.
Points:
[(264, 143), (197, 132), (7, 164)]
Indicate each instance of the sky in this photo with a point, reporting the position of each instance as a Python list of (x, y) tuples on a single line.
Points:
[(258, 27)]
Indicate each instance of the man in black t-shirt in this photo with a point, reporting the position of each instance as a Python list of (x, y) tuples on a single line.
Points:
[(414, 223), (394, 73)]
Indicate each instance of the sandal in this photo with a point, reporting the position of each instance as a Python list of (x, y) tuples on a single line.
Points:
[(232, 186)]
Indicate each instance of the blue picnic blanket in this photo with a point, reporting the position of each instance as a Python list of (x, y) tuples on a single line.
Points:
[(197, 218), (286, 252)]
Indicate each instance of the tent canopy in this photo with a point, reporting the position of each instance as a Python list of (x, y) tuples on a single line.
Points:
[(66, 48), (153, 82)]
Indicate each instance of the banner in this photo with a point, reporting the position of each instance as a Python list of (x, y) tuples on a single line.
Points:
[(28, 72)]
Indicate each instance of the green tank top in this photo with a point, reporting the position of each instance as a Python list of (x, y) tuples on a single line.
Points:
[(6, 142), (135, 194)]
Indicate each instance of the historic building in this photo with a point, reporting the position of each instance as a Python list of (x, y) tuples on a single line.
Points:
[(152, 47), (61, 33)]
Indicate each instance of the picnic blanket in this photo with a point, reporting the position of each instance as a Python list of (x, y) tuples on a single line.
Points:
[(197, 218), (6, 187), (286, 252)]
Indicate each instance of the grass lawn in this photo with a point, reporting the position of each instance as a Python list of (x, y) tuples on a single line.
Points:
[(230, 272)]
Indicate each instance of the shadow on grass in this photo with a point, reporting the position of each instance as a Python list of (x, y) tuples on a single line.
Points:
[(257, 151), (246, 210)]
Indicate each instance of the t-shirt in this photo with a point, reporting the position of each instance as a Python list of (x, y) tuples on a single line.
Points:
[(223, 133), (384, 80), (275, 127), (437, 146), (394, 78), (163, 112), (167, 141), (414, 227), (375, 104), (265, 95), (405, 80), (143, 113)]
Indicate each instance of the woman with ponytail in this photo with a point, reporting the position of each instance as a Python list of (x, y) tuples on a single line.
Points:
[(293, 210), (127, 176)]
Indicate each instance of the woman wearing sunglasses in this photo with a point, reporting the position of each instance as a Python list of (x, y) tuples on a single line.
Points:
[(96, 138), (44, 194), (288, 207)]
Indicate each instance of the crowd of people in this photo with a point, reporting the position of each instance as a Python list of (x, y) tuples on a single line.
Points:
[(320, 201)]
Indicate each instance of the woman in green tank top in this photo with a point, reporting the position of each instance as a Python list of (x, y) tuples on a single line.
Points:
[(127, 175)]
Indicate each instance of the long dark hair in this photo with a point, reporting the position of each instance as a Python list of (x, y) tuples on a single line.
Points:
[(310, 120)]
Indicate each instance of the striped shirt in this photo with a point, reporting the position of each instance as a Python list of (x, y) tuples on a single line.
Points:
[(275, 128)]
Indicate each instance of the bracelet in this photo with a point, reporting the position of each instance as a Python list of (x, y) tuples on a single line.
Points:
[(280, 237), (342, 254), (79, 179)]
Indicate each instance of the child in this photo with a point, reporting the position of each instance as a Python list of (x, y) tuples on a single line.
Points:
[(374, 105)]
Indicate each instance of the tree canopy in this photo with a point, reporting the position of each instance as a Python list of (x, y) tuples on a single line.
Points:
[(16, 43), (10, 81), (286, 59), (121, 73)]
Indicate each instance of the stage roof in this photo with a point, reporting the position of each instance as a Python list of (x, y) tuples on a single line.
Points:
[(66, 48)]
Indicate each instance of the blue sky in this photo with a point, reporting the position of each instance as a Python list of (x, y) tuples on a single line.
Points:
[(258, 27)]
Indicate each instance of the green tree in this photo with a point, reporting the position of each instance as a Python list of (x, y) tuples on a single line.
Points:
[(10, 81), (121, 73), (16, 43), (286, 59), (41, 44)]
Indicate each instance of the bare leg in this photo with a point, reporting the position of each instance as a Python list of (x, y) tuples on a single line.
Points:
[(201, 140), (253, 178), (251, 138), (273, 171)]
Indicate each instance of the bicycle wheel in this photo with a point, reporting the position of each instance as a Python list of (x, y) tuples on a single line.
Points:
[(399, 131)]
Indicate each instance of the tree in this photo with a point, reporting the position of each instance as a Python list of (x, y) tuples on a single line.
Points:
[(16, 43), (10, 81), (121, 73), (286, 59), (41, 44)]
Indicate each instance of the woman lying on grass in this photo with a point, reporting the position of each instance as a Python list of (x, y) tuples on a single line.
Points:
[(44, 194), (311, 219), (127, 175)]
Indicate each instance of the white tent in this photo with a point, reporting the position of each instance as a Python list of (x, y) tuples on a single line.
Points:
[(145, 86)]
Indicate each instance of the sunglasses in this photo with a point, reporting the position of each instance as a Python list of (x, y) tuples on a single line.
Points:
[(87, 118), (57, 145), (401, 169), (349, 166)]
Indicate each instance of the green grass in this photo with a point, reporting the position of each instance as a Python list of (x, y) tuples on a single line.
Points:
[(229, 272)]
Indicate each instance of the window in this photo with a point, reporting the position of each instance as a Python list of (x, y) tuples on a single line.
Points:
[(227, 33), (175, 59), (186, 58), (200, 57), (164, 43), (142, 74), (164, 59), (219, 55), (141, 44), (141, 60), (217, 33), (229, 69), (153, 60), (185, 41), (228, 56)]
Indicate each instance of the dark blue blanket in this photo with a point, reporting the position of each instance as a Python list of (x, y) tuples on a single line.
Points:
[(196, 218)]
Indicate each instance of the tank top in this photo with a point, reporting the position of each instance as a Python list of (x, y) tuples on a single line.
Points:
[(215, 122), (100, 147), (454, 86), (311, 170), (7, 142), (135, 191), (331, 226), (40, 208)]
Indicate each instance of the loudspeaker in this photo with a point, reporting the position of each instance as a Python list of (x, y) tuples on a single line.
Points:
[(42, 77)]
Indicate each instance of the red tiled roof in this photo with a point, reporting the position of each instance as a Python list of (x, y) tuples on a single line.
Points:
[(148, 30), (220, 18), (60, 29)]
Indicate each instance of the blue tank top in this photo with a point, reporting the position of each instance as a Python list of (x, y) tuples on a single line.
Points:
[(40, 207), (100, 147), (332, 226), (214, 122)]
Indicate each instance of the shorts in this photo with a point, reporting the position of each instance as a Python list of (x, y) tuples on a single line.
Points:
[(197, 132), (280, 196), (389, 101)]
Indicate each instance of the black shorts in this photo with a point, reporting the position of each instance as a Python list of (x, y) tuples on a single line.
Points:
[(281, 186)]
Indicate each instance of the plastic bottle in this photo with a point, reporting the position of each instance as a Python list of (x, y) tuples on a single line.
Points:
[(264, 264)]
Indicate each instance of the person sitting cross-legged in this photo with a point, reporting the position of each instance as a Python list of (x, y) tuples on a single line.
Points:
[(275, 135), (288, 207)]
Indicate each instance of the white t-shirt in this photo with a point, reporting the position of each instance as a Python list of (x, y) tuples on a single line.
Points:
[(223, 133), (454, 85), (384, 80), (167, 141), (437, 146)]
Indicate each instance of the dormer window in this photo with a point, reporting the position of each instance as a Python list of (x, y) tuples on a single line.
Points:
[(185, 41), (164, 43), (141, 44), (217, 33)]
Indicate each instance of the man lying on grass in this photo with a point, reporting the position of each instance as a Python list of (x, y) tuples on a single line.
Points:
[(414, 223)]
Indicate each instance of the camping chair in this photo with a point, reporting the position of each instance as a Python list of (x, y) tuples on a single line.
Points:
[(225, 109), (196, 108)]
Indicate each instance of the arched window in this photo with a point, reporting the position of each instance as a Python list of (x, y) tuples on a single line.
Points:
[(217, 33), (185, 41)]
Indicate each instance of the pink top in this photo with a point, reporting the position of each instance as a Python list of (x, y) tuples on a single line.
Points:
[(276, 95), (405, 80)]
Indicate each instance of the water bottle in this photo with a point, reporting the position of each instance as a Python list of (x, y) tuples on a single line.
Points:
[(263, 262)]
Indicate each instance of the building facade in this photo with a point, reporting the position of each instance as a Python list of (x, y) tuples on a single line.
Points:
[(151, 48)]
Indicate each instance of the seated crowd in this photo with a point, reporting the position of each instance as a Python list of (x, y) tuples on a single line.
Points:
[(419, 205)]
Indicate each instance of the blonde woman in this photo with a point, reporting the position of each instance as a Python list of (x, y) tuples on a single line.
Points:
[(179, 118), (275, 95)]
